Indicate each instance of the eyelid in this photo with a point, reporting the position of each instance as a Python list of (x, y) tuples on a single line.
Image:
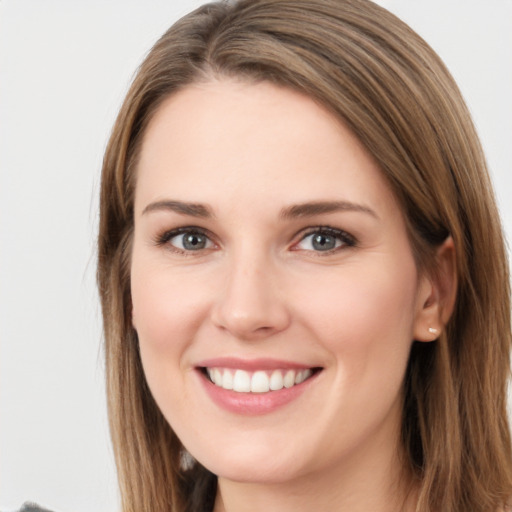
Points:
[(164, 238), (346, 238)]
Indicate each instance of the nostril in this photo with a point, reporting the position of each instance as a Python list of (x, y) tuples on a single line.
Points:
[(249, 325), (249, 305)]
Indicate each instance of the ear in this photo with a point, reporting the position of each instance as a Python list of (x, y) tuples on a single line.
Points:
[(436, 295)]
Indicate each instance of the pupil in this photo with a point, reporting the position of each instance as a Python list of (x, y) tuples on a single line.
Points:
[(194, 241), (323, 242)]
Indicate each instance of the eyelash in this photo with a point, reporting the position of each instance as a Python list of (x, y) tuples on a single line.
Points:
[(346, 239), (167, 236)]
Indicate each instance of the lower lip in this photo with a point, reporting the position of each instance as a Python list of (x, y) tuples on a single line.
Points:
[(253, 404)]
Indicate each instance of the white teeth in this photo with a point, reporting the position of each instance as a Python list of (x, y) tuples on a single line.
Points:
[(217, 377), (260, 381), (227, 380), (302, 376), (276, 380), (289, 379), (242, 381)]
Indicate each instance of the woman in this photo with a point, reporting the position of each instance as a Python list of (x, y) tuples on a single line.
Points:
[(296, 236)]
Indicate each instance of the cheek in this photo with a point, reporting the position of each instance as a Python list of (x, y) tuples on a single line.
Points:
[(364, 320), (364, 317), (167, 306), (168, 309)]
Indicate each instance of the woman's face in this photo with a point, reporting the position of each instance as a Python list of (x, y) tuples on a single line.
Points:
[(270, 253)]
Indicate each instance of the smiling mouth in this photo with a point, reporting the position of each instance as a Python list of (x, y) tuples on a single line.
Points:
[(260, 381)]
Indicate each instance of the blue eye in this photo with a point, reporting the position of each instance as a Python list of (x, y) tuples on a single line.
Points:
[(325, 240), (190, 241), (186, 239)]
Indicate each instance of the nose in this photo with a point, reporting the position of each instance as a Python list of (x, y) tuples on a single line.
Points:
[(251, 305)]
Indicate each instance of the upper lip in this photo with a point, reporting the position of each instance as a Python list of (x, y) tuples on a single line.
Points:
[(253, 364)]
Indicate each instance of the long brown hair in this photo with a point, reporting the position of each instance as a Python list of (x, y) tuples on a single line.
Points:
[(389, 87)]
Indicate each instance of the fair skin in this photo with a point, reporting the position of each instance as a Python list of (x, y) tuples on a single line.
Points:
[(268, 242)]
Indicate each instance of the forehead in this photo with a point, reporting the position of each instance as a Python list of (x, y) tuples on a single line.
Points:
[(227, 142)]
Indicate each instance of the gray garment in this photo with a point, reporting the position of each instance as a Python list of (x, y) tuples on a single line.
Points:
[(32, 507)]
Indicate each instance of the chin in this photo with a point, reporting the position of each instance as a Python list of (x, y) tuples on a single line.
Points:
[(253, 466)]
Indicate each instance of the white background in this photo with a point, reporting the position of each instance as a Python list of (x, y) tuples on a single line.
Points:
[(64, 68)]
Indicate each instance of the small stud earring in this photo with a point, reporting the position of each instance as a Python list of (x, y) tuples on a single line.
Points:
[(432, 330)]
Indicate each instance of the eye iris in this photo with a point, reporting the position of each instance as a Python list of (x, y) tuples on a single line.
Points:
[(322, 242), (194, 241)]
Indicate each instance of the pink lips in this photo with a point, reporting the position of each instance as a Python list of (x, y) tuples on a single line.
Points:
[(254, 403), (249, 365)]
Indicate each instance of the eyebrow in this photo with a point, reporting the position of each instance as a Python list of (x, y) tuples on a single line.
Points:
[(321, 207), (291, 212), (192, 209)]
